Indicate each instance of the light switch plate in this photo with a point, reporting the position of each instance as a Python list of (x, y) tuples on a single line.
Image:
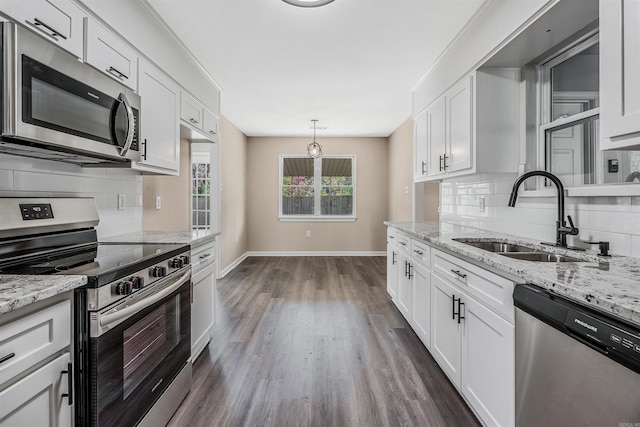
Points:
[(158, 203), (481, 204)]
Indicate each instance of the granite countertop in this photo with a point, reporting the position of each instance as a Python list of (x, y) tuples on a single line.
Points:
[(194, 238), (17, 291), (609, 284)]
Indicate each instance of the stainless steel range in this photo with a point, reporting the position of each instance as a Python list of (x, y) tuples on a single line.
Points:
[(132, 318)]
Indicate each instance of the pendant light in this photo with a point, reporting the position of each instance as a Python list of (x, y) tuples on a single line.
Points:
[(307, 3), (314, 149)]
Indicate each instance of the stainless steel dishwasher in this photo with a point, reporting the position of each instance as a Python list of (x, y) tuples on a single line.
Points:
[(574, 366)]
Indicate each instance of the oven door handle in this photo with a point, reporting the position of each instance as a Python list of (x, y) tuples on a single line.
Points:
[(110, 318)]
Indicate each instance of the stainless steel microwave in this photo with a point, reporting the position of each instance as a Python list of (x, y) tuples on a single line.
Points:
[(58, 108)]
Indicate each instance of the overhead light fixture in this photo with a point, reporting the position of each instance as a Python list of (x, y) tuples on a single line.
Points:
[(307, 3), (314, 149)]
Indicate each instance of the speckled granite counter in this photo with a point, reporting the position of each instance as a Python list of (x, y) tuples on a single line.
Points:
[(194, 238), (609, 284), (19, 291)]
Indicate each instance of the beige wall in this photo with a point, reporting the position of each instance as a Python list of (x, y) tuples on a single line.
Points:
[(175, 195), (367, 233), (431, 201), (233, 198), (401, 173)]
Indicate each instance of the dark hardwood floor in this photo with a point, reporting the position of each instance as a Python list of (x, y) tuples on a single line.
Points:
[(306, 341)]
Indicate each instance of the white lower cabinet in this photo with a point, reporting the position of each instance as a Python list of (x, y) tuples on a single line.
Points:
[(39, 399), (488, 364), (446, 332), (203, 298), (420, 313), (405, 291), (392, 271)]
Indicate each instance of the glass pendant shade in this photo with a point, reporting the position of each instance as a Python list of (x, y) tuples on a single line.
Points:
[(314, 150)]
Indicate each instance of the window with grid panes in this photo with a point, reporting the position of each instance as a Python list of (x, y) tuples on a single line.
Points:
[(201, 195), (317, 188)]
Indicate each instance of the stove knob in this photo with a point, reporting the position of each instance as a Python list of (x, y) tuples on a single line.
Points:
[(124, 288), (137, 282), (158, 271), (185, 260), (175, 263)]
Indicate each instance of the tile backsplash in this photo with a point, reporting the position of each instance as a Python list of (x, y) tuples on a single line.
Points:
[(612, 219), (26, 177)]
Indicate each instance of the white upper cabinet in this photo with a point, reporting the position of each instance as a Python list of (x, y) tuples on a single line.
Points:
[(59, 21), (197, 116), (109, 54), (159, 126), (211, 123), (420, 128), (471, 128), (619, 71)]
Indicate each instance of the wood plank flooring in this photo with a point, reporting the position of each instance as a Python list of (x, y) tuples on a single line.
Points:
[(315, 341)]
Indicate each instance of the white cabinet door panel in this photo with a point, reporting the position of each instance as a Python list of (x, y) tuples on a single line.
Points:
[(392, 271), (421, 143), (460, 129), (488, 364), (405, 292), (421, 312), (445, 330), (437, 136)]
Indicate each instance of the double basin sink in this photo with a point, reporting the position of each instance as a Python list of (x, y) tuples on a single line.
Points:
[(515, 251)]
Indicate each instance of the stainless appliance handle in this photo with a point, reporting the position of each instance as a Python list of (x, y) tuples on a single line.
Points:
[(131, 120), (110, 318)]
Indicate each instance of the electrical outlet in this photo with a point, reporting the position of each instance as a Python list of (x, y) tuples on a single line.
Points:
[(122, 201), (481, 204), (406, 189), (158, 203), (308, 233)]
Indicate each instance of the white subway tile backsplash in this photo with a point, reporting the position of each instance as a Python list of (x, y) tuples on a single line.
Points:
[(36, 181), (614, 219), (102, 185), (6, 180)]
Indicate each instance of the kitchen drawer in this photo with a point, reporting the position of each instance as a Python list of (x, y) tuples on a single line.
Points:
[(33, 338), (202, 256), (392, 236), (421, 253), (404, 243), (191, 110), (489, 288)]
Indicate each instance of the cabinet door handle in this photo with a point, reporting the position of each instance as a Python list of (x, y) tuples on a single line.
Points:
[(459, 274), (406, 268), (424, 164), (194, 121), (144, 152), (393, 258), (460, 316), (7, 357), (440, 164), (444, 162), (69, 373), (453, 307), (54, 34), (116, 73), (410, 267)]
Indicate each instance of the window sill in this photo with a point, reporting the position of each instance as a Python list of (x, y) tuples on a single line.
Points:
[(596, 190), (290, 218)]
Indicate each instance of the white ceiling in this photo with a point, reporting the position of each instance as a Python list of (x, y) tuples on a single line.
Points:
[(350, 64)]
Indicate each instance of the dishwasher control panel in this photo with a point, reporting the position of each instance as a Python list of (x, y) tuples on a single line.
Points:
[(603, 334)]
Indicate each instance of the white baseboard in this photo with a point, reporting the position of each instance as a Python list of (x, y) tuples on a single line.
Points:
[(233, 265), (237, 262), (317, 253)]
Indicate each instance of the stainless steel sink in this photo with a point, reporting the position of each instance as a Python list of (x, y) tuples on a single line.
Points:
[(512, 250), (541, 257), (496, 246)]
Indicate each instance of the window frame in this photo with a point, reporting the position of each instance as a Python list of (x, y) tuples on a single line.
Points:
[(317, 216)]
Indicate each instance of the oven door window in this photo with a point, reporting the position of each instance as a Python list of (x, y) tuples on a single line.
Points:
[(55, 101), (133, 363)]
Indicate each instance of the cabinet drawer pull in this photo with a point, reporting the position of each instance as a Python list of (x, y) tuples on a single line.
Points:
[(205, 256), (418, 252), (403, 243), (194, 121), (7, 357), (391, 237), (459, 274), (116, 73), (213, 132), (69, 373), (38, 23)]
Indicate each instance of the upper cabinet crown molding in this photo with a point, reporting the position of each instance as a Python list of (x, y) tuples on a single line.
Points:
[(619, 71), (107, 53), (59, 21)]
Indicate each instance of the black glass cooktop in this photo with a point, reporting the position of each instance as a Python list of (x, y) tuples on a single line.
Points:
[(101, 263)]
